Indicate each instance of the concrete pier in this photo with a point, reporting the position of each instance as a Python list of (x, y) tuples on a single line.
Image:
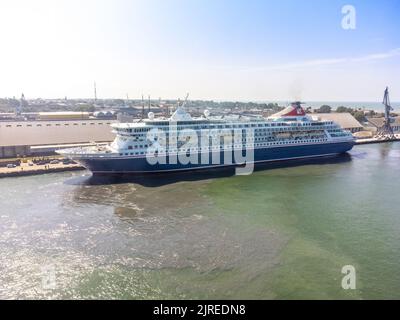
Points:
[(26, 170), (377, 140)]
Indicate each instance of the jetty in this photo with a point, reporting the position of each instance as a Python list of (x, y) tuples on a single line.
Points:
[(378, 140)]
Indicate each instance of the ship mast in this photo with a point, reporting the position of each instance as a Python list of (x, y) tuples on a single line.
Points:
[(142, 107), (95, 92), (184, 102)]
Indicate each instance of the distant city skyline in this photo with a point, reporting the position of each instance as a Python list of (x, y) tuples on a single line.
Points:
[(215, 50)]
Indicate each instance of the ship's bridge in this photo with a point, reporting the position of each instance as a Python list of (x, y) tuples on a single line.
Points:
[(180, 115)]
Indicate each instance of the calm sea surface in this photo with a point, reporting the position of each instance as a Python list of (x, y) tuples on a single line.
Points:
[(284, 232)]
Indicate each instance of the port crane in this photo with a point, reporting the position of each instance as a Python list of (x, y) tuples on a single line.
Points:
[(386, 130)]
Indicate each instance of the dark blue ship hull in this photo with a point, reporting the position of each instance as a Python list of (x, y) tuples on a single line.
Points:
[(132, 164)]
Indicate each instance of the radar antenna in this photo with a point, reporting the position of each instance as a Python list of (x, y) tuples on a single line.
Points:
[(386, 130), (186, 99), (180, 104)]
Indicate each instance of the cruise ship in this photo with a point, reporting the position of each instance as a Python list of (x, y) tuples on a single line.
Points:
[(182, 142)]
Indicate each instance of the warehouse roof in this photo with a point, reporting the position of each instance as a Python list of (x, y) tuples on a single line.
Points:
[(345, 119)]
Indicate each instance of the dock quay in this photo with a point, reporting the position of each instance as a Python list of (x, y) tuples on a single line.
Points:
[(377, 140), (26, 169)]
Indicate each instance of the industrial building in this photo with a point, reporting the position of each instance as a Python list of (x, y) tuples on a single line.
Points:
[(378, 123), (20, 138), (63, 115), (345, 120)]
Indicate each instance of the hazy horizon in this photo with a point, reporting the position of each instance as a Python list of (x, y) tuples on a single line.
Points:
[(216, 50), (201, 99)]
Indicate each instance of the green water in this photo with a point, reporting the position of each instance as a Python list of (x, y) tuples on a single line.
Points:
[(281, 233)]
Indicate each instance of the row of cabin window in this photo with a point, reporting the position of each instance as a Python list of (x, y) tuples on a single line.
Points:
[(137, 147), (235, 146), (334, 130), (252, 124), (339, 134), (266, 130), (243, 140)]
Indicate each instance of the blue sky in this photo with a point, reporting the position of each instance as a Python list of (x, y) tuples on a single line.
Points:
[(214, 49)]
